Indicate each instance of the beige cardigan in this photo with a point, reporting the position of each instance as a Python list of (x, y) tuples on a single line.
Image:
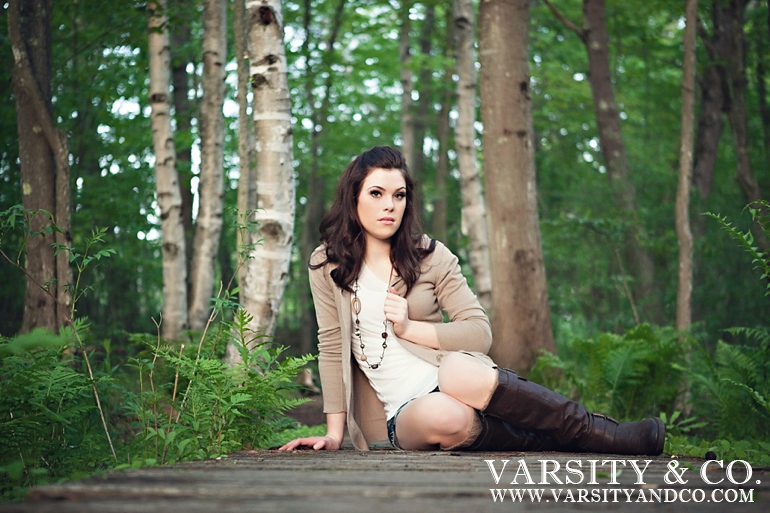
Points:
[(440, 287)]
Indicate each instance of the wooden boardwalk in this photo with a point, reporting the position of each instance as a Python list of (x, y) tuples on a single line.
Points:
[(393, 481)]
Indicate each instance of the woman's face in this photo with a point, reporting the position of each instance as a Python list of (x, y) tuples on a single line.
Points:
[(381, 203)]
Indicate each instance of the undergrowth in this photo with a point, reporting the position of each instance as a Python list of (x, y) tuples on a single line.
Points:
[(62, 404)]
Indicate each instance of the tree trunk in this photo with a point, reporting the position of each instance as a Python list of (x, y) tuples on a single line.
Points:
[(424, 108), (407, 84), (474, 222), (166, 179), (444, 132), (314, 208), (738, 115), (268, 269), (596, 40), (614, 152), (247, 183), (521, 320), (684, 234), (184, 109), (764, 109), (208, 224), (45, 171)]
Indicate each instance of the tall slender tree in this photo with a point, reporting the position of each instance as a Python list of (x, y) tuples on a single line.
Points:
[(314, 208), (208, 224), (684, 234), (184, 112), (166, 179), (268, 269), (408, 143), (521, 319), (595, 38), (45, 171), (247, 183), (474, 215)]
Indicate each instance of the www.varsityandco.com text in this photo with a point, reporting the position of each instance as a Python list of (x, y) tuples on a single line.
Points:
[(590, 480)]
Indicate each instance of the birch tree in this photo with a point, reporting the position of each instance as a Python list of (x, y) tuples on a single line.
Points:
[(474, 209), (684, 234), (166, 180), (268, 267), (208, 224), (521, 319)]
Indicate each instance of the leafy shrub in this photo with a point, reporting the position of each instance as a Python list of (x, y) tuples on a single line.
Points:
[(213, 409)]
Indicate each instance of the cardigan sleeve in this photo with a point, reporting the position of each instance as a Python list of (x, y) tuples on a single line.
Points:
[(329, 339), (468, 328)]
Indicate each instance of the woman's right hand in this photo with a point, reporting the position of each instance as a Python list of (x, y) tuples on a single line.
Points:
[(316, 443)]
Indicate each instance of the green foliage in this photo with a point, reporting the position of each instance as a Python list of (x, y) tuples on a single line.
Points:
[(627, 376), (759, 259), (48, 418), (54, 398), (213, 409), (756, 453)]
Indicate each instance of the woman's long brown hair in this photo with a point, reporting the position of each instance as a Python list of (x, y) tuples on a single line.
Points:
[(343, 236)]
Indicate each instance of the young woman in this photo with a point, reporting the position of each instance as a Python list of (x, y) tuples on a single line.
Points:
[(389, 365)]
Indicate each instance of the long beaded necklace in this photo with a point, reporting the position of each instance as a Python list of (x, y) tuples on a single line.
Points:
[(357, 331)]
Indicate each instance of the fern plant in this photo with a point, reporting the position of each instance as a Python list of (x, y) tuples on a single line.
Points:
[(736, 379), (627, 376)]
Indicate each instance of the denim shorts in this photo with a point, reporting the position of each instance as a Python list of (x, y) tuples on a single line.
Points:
[(392, 422)]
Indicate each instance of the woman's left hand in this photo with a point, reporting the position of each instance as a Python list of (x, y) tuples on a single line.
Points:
[(397, 312)]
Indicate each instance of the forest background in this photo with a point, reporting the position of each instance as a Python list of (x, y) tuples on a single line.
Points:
[(363, 73)]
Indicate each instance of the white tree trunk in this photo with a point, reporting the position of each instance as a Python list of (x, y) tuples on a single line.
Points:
[(208, 224), (474, 216), (268, 269), (166, 179)]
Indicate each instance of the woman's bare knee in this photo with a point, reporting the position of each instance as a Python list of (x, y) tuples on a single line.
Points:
[(431, 421), (466, 379)]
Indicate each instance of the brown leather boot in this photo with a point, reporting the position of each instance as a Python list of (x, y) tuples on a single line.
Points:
[(531, 407), (489, 433)]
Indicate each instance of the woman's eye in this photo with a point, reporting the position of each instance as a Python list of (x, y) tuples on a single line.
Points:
[(400, 195), (376, 194)]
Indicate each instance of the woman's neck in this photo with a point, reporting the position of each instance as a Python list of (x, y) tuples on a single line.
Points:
[(377, 257)]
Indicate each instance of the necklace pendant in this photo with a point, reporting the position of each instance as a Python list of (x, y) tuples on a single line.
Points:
[(363, 357), (356, 305), (375, 365)]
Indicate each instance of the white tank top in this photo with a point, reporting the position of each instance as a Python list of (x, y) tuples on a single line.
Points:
[(402, 376)]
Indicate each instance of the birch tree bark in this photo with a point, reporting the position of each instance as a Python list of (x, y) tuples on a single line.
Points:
[(474, 222), (166, 179), (268, 269), (521, 319), (45, 171), (208, 224), (684, 234)]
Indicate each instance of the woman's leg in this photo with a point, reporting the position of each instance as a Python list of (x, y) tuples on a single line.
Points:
[(467, 379), (433, 421), (526, 405)]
